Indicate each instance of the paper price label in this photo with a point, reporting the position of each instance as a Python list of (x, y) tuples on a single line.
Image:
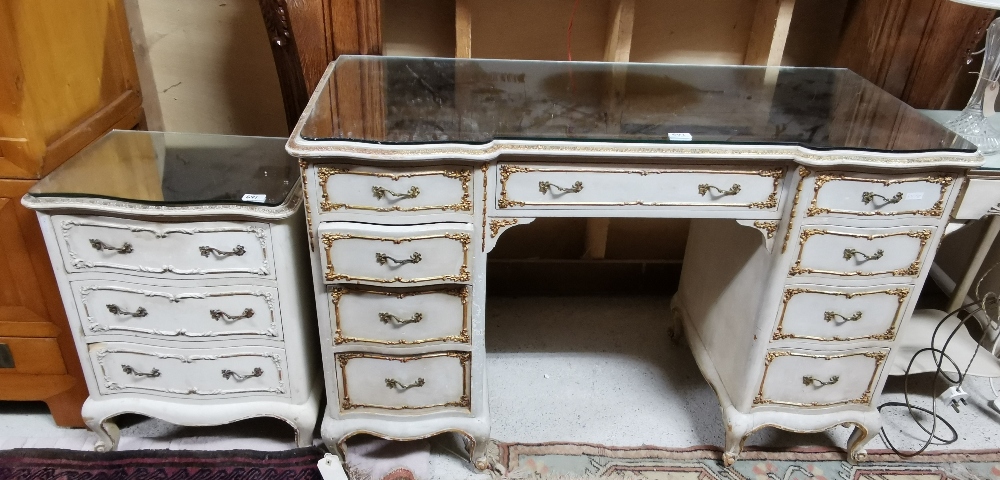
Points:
[(680, 137), (254, 197), (914, 196)]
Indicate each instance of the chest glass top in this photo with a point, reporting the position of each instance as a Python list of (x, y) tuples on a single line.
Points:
[(399, 100), (176, 168)]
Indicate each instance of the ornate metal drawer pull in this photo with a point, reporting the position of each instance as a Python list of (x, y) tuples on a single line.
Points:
[(131, 371), (227, 374), (869, 197), (811, 380), (392, 383), (705, 188), (116, 310), (831, 316), (238, 251), (219, 315), (381, 192), (99, 246), (386, 317), (546, 187), (382, 259), (850, 253)]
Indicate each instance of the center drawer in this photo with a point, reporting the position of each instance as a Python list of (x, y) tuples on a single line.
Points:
[(865, 252), (404, 385), (400, 317), (813, 379)]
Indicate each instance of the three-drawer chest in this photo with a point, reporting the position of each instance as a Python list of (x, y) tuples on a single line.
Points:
[(178, 260)]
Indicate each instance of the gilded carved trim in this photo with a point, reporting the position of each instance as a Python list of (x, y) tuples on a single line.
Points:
[(303, 166), (486, 169), (900, 293), (768, 227), (944, 181), (464, 175), (336, 293), (498, 224), (911, 271), (803, 173), (332, 276), (878, 355), (464, 401)]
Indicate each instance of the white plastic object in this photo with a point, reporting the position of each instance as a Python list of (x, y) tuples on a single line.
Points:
[(955, 396), (330, 468)]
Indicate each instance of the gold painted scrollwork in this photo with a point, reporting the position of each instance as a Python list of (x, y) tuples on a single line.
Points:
[(936, 210), (878, 355), (464, 401), (332, 276), (336, 293), (912, 270), (900, 293), (463, 175)]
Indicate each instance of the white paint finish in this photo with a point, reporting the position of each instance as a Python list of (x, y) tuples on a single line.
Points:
[(815, 312), (390, 317), (431, 381), (141, 246), (440, 188), (434, 253), (827, 251), (981, 198), (846, 194), (849, 377), (188, 373)]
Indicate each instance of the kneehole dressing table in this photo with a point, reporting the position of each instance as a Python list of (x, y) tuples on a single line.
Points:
[(817, 201)]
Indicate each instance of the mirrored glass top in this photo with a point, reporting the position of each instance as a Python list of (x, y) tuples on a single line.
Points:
[(405, 100), (176, 168)]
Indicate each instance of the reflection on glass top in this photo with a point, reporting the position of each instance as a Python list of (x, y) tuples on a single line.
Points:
[(176, 168), (399, 100)]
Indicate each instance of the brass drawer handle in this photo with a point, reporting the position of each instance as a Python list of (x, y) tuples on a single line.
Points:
[(392, 383), (869, 197), (831, 316), (382, 259), (131, 371), (850, 253), (219, 315), (227, 374), (238, 251), (705, 188), (811, 380), (387, 317), (546, 187), (98, 245), (381, 192), (116, 310)]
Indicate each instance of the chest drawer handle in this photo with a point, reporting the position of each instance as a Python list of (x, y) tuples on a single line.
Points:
[(98, 245), (116, 310), (382, 192), (219, 315), (850, 253), (131, 371), (546, 187), (393, 383), (869, 197), (387, 317), (705, 188), (382, 259), (811, 380), (831, 316), (238, 251), (227, 374)]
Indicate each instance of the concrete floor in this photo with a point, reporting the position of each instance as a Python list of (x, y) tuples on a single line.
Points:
[(578, 369)]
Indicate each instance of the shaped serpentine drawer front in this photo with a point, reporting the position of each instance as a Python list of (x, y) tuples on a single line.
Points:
[(352, 188), (833, 314), (404, 385), (872, 195), (396, 255), (187, 312), (820, 379), (604, 186), (861, 252), (189, 373), (400, 317), (170, 249)]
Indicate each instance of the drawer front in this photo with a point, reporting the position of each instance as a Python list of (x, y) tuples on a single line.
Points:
[(245, 311), (568, 187), (802, 379), (981, 198), (189, 373), (848, 252), (404, 385), (840, 314), (346, 188), (852, 194), (400, 318), (401, 255), (171, 249)]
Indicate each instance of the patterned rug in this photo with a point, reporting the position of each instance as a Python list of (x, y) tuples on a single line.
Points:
[(564, 461), (52, 464)]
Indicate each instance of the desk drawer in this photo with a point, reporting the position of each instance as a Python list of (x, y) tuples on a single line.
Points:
[(840, 314), (865, 252), (405, 385), (163, 249), (599, 186), (345, 188), (396, 255), (873, 195), (809, 379), (393, 317), (981, 198)]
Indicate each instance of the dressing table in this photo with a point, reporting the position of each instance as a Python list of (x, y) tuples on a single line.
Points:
[(816, 201)]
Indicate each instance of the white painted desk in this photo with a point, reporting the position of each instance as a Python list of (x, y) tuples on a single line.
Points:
[(816, 198)]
